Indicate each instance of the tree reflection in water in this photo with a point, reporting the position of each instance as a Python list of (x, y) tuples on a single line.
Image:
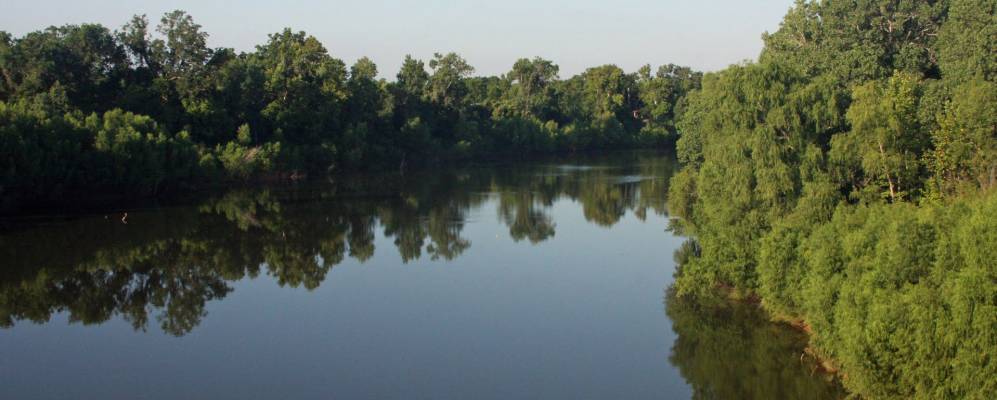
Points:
[(730, 350), (170, 262)]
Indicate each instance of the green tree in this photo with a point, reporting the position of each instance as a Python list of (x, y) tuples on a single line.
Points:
[(305, 91), (446, 86), (663, 98), (886, 141), (967, 40), (532, 94), (965, 143)]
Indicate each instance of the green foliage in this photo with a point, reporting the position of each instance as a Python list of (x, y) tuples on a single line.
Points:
[(882, 151), (242, 162), (52, 154), (532, 93), (967, 40), (664, 100), (899, 279), (304, 88), (289, 106), (965, 142), (84, 60), (838, 178), (858, 41), (42, 151), (446, 85)]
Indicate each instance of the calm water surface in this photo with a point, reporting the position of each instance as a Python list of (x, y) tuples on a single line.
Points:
[(528, 280)]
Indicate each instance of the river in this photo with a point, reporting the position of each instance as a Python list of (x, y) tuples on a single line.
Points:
[(543, 279)]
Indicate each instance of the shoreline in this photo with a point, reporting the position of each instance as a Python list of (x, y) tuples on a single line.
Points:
[(107, 200), (824, 365)]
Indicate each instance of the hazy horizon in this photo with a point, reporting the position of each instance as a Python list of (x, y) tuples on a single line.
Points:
[(574, 34)]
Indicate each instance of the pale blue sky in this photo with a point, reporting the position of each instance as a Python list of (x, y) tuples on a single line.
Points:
[(491, 35)]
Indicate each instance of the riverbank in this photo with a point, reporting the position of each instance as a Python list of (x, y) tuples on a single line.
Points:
[(726, 332), (823, 364), (871, 286), (733, 294)]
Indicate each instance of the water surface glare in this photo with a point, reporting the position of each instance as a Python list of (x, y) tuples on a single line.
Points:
[(521, 280)]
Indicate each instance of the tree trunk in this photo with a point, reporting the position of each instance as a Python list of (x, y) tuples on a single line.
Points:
[(889, 179)]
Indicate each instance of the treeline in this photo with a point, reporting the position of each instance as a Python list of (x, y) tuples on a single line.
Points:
[(848, 179), (139, 109)]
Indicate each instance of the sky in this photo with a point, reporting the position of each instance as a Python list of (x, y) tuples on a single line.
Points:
[(491, 35)]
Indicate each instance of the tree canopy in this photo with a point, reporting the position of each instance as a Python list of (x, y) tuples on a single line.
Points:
[(288, 108), (848, 179)]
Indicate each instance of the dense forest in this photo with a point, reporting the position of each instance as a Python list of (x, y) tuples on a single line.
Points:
[(847, 180), (142, 109)]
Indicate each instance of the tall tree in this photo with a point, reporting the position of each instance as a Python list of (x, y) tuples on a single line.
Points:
[(886, 140), (532, 92), (446, 85), (305, 87)]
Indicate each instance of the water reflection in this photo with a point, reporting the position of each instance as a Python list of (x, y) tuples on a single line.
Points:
[(166, 264), (579, 317), (729, 350)]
